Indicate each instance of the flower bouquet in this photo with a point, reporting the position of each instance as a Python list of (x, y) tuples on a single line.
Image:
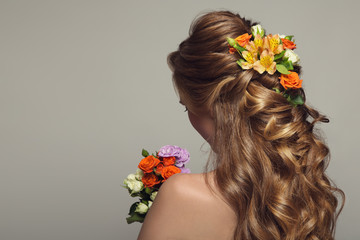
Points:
[(153, 170)]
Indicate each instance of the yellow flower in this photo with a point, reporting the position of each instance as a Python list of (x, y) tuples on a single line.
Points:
[(273, 43), (250, 59), (259, 42), (266, 63)]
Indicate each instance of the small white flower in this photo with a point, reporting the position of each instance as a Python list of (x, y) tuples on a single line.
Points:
[(282, 36), (139, 174), (293, 57), (133, 184), (150, 203), (257, 29), (131, 177), (137, 187), (141, 208), (153, 196)]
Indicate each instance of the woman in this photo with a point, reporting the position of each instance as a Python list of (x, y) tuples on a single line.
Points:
[(268, 179)]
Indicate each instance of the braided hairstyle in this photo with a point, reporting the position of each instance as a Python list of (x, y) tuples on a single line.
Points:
[(270, 164)]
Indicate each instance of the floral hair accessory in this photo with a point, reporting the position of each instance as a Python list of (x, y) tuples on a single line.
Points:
[(269, 53), (153, 170)]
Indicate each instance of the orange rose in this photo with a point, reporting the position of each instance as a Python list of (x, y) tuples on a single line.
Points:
[(288, 44), (147, 164), (150, 179), (168, 161), (242, 40), (290, 80), (159, 168), (169, 171)]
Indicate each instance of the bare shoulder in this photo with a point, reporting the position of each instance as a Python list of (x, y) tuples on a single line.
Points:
[(185, 208)]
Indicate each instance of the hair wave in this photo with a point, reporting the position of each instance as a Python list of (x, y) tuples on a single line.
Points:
[(270, 164)]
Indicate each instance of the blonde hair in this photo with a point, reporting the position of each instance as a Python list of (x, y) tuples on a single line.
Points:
[(270, 165)]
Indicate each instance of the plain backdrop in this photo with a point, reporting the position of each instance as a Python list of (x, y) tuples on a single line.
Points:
[(84, 86)]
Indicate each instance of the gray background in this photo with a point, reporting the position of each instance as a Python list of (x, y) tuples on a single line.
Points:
[(84, 86)]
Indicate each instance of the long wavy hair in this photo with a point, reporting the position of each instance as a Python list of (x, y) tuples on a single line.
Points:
[(270, 164)]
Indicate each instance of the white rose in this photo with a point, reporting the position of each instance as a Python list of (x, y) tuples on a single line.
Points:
[(153, 196), (282, 36), (293, 57), (133, 184), (150, 203), (130, 177), (141, 208), (137, 186), (257, 29), (139, 174)]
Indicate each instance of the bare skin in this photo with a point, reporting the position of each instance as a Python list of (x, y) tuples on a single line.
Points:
[(186, 209)]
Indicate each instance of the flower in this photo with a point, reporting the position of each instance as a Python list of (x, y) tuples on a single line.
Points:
[(139, 174), (258, 42), (242, 40), (184, 170), (153, 195), (293, 57), (130, 177), (250, 60), (167, 161), (257, 30), (269, 54), (273, 43), (288, 44), (169, 171), (147, 164), (150, 180), (141, 208), (181, 155), (134, 185), (159, 168), (290, 80), (152, 172), (266, 63)]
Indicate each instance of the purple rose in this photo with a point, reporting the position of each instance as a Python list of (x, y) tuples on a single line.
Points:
[(181, 155)]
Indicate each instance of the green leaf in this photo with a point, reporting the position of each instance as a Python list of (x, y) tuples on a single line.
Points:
[(276, 90), (282, 69), (135, 218), (148, 190), (297, 100), (231, 41), (239, 62), (239, 48), (278, 56), (144, 153), (133, 208), (288, 65), (289, 37)]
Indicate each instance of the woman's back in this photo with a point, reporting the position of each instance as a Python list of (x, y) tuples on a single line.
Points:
[(185, 208)]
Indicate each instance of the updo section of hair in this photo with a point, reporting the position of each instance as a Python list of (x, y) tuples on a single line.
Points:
[(204, 71)]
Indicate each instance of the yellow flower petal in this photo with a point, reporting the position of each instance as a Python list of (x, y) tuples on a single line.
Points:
[(258, 67), (246, 65), (272, 69), (259, 42), (248, 56)]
